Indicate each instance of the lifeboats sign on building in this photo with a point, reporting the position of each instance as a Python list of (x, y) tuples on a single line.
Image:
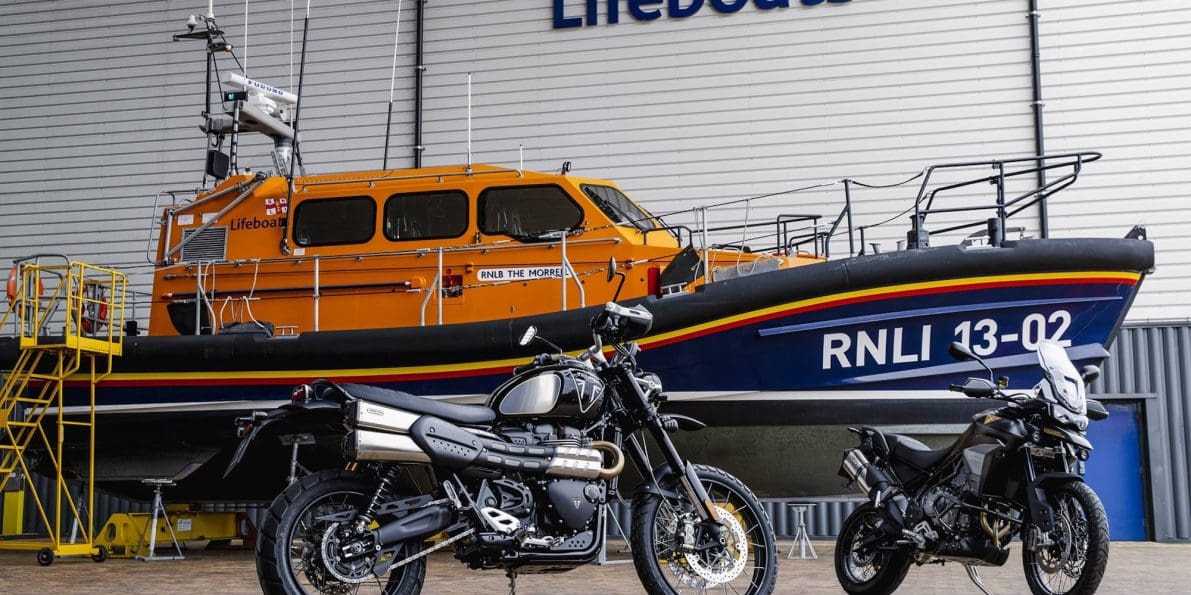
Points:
[(519, 274), (651, 10)]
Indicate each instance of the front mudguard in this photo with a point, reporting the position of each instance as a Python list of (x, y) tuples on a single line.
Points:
[(317, 416), (1042, 514)]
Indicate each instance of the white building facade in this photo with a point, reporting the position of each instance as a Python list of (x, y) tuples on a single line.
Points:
[(684, 103)]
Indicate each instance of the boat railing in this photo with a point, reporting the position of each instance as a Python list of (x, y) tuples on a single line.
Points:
[(436, 291), (789, 233), (371, 180), (1005, 207), (807, 234)]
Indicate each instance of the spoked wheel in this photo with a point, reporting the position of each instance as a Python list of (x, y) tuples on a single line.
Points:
[(1071, 557), (861, 564), (303, 539), (675, 553)]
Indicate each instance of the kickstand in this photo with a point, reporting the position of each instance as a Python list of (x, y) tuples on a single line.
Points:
[(512, 582), (975, 577)]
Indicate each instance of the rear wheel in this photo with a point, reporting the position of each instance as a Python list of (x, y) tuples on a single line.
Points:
[(861, 564), (290, 551), (1070, 559), (675, 553)]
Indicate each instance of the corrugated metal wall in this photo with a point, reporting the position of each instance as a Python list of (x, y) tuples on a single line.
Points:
[(682, 112), (1157, 359)]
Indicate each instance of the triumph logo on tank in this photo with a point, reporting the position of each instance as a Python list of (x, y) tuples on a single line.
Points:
[(587, 13), (244, 223)]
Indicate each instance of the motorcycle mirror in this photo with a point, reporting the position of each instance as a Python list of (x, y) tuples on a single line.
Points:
[(528, 336), (614, 273), (960, 352), (1090, 373)]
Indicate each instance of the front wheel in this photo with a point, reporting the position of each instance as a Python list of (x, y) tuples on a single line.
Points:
[(290, 550), (864, 560), (1070, 559), (675, 553)]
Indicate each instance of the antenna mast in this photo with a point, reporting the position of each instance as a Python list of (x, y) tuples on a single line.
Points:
[(245, 37), (469, 122), (297, 142), (392, 84)]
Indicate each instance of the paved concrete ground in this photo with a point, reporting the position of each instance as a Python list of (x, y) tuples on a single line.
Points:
[(1133, 568)]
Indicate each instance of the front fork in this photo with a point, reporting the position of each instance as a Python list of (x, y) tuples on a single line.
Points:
[(688, 479), (638, 402)]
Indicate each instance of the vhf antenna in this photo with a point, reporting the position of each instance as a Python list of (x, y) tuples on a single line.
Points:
[(392, 84), (297, 143), (469, 122)]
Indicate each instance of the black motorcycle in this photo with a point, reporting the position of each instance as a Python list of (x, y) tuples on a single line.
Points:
[(521, 483), (1014, 471)]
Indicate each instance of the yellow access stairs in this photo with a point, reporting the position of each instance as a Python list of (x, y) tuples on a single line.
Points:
[(68, 320)]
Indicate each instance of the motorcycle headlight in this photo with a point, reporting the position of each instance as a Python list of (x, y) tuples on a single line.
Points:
[(1063, 415)]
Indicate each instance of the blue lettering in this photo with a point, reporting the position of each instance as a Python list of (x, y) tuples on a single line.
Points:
[(651, 10), (644, 15), (677, 11), (728, 6), (564, 22)]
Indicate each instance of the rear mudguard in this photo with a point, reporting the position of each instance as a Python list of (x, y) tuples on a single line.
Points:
[(318, 416), (1042, 515)]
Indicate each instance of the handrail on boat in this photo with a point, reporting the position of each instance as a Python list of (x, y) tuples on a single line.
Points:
[(372, 180), (920, 238), (787, 239), (1004, 206)]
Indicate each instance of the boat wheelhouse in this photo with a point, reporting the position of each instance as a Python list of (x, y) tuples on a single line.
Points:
[(391, 249)]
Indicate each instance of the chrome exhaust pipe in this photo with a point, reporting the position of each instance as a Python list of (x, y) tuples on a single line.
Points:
[(586, 463), (371, 416), (875, 484), (855, 466), (366, 445)]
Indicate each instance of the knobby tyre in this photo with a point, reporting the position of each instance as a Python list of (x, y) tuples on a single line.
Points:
[(288, 549), (1070, 560), (862, 567), (664, 569)]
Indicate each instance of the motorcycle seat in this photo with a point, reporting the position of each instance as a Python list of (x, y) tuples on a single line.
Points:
[(914, 452), (471, 415)]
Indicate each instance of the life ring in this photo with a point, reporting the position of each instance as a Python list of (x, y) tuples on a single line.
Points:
[(14, 284), (95, 315)]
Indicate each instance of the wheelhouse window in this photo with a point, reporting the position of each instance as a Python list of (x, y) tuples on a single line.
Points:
[(425, 215), (330, 221), (528, 212), (619, 208)]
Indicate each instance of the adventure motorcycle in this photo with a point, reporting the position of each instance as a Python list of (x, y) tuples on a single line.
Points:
[(521, 483), (1012, 472)]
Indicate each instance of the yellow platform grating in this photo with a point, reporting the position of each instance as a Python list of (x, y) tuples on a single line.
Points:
[(68, 319)]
